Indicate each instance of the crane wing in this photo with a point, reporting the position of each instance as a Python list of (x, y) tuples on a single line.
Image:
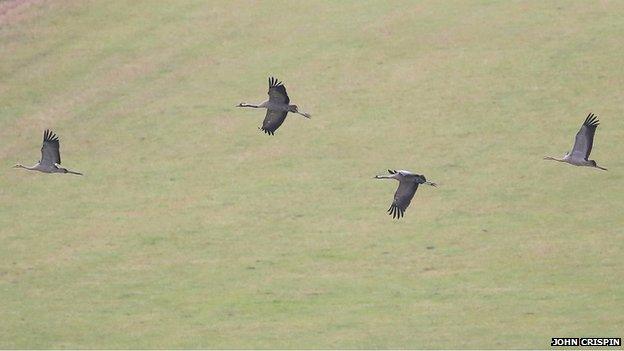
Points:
[(402, 198), (585, 137), (277, 92), (50, 153), (273, 120)]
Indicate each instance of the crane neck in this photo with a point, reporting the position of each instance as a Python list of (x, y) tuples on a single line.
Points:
[(554, 159), (33, 168), (244, 104)]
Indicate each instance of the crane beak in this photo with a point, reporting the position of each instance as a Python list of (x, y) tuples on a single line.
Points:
[(432, 184)]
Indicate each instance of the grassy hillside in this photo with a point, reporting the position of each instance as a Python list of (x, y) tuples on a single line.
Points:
[(191, 228)]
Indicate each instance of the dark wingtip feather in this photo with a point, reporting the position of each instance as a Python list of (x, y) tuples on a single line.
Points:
[(49, 135), (274, 82), (591, 121), (395, 211), (266, 131)]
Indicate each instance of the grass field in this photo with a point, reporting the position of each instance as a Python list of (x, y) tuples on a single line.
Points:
[(191, 228)]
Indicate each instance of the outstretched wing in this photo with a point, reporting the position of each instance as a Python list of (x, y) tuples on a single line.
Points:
[(585, 137), (277, 92), (50, 153), (402, 198), (273, 120)]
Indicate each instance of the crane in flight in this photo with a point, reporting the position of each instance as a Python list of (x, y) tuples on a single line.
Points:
[(579, 156), (277, 106), (50, 156), (408, 184)]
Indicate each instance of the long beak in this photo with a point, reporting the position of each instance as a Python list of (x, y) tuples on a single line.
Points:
[(604, 169), (432, 184), (76, 173)]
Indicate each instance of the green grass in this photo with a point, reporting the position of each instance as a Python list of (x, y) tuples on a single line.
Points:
[(193, 229)]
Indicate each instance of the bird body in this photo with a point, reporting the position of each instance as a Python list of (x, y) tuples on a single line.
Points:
[(408, 184), (271, 105), (277, 106), (583, 143), (50, 156)]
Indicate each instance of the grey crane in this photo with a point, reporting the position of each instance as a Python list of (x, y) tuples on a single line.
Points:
[(277, 107), (579, 156), (50, 156), (408, 184)]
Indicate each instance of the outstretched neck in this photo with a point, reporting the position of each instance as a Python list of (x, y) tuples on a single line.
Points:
[(244, 104), (554, 159), (26, 167)]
